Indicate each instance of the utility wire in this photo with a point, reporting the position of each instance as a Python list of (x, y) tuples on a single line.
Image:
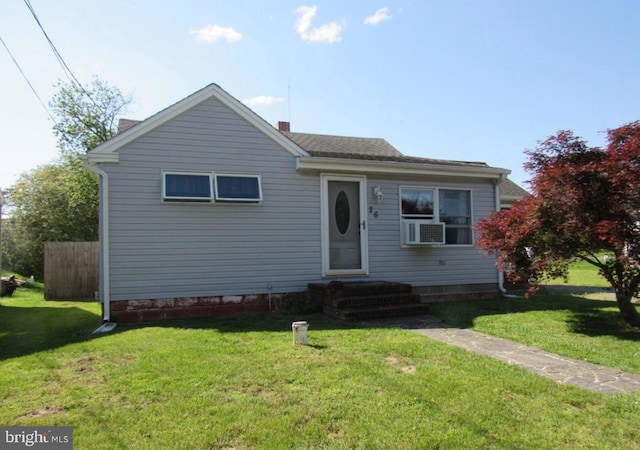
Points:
[(72, 78), (27, 80), (63, 64)]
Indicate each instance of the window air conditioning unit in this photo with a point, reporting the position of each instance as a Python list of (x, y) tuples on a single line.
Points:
[(422, 232)]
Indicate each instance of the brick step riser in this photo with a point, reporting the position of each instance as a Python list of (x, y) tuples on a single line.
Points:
[(373, 313), (372, 301), (366, 300), (355, 291)]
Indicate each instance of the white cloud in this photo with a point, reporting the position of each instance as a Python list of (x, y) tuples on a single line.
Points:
[(379, 16), (213, 33), (263, 100), (327, 33)]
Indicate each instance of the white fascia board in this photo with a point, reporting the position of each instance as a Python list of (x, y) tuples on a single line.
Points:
[(97, 158), (211, 91), (397, 168)]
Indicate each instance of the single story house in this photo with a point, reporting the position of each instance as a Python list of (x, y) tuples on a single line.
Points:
[(206, 209)]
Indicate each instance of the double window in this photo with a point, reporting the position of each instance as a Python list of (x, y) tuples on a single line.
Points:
[(206, 187), (449, 206)]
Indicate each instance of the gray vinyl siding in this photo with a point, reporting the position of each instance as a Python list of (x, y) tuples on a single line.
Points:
[(173, 249), (163, 249), (426, 265)]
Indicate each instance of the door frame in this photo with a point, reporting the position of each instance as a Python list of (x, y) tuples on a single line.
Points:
[(325, 178)]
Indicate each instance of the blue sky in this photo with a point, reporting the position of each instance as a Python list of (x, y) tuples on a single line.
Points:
[(460, 79)]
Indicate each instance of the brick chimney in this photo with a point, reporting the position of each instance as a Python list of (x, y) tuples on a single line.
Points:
[(283, 126)]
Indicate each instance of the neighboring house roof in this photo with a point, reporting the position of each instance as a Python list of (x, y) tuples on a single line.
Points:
[(510, 192), (510, 189), (125, 124)]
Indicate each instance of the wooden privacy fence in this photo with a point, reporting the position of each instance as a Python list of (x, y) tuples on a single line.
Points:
[(70, 270)]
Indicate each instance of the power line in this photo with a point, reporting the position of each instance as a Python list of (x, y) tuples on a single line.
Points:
[(27, 80), (67, 71), (65, 68)]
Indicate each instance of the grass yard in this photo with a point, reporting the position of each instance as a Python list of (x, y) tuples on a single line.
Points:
[(582, 273), (241, 383), (587, 327)]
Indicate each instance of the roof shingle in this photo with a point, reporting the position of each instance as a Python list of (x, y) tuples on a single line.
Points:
[(373, 149), (510, 189), (325, 144)]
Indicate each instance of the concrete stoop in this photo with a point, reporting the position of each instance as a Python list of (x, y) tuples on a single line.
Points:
[(362, 300)]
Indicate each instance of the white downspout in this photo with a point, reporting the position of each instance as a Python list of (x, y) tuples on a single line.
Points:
[(501, 287), (104, 238), (503, 291)]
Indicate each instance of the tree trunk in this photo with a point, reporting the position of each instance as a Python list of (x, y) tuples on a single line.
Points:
[(628, 310)]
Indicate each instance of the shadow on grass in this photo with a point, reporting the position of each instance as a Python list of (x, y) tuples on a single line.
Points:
[(584, 316), (30, 329), (26, 330), (250, 322), (29, 324), (603, 323)]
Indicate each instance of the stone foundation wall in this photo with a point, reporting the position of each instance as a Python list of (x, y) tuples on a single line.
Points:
[(127, 311)]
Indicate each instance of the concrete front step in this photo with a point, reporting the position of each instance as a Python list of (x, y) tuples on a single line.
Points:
[(340, 289), (368, 288), (360, 300), (371, 301), (378, 312)]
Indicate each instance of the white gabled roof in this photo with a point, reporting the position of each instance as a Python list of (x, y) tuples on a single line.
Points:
[(107, 151)]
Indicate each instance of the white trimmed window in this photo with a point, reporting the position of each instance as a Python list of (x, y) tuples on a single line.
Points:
[(187, 187), (452, 207), (238, 188), (418, 203)]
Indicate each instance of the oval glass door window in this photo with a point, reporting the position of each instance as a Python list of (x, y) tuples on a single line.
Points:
[(343, 212)]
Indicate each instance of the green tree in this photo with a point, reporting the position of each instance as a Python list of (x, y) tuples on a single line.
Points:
[(585, 202), (59, 201), (54, 202), (85, 118)]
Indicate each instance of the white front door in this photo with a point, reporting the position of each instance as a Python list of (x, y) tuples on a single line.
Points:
[(344, 225)]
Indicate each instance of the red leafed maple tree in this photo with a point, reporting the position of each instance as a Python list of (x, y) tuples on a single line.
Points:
[(585, 203)]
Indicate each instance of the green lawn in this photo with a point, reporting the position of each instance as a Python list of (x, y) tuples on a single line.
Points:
[(582, 273), (587, 327), (241, 383)]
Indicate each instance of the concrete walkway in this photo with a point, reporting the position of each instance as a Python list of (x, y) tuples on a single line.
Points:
[(558, 368)]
